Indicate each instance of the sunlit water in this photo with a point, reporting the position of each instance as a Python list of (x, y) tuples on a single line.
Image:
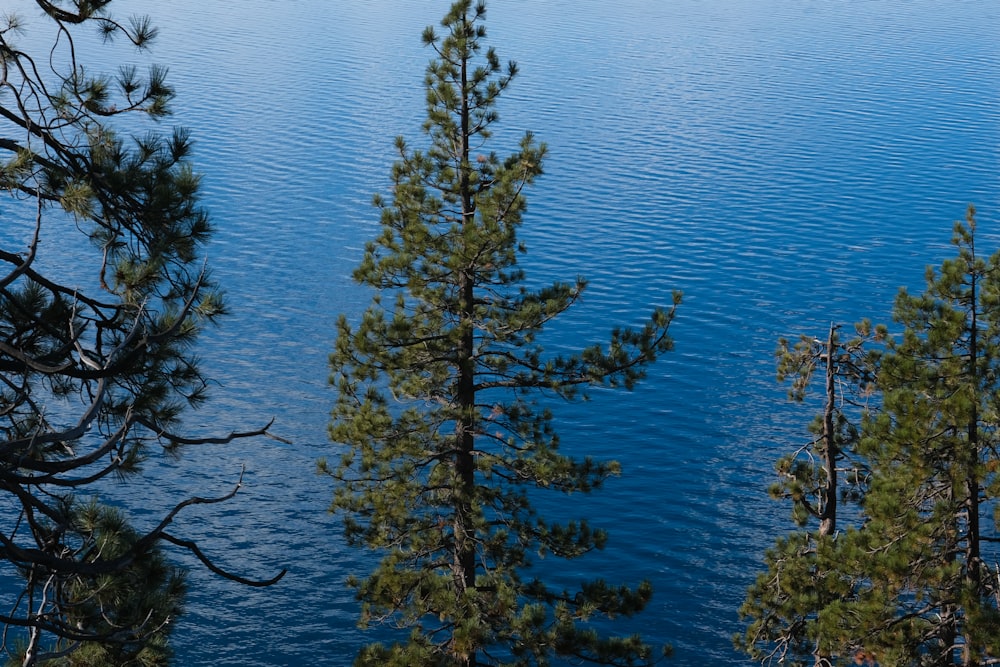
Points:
[(785, 164)]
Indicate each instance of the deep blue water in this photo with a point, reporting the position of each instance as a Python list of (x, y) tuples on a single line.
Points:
[(784, 163)]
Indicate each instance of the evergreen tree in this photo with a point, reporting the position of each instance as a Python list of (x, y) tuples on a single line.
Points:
[(911, 580), (445, 443), (96, 361), (932, 447), (785, 603)]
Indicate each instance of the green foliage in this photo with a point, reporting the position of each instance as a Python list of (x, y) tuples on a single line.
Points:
[(910, 580), (444, 443), (129, 609), (96, 360)]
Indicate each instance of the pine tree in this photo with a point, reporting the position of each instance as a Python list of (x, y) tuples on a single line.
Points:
[(445, 443), (932, 447), (96, 359), (910, 581), (785, 604)]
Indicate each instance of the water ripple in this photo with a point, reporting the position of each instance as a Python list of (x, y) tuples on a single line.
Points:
[(785, 164)]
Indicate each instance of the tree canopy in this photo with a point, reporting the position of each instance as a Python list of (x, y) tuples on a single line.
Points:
[(103, 292)]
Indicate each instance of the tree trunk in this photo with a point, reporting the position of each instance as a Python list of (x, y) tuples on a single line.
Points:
[(971, 460), (828, 497), (465, 546), (828, 511)]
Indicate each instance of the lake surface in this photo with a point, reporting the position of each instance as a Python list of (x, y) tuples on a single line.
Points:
[(784, 163)]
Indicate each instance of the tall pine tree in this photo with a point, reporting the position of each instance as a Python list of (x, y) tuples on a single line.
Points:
[(445, 444), (933, 596)]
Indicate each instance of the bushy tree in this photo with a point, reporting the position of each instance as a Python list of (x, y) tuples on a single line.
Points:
[(102, 295), (912, 581), (436, 408), (933, 450)]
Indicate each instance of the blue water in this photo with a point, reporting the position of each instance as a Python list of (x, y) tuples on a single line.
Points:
[(784, 163)]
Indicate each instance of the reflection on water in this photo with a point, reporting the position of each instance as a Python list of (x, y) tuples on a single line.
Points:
[(785, 164)]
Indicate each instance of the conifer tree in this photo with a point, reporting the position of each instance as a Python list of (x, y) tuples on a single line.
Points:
[(103, 292), (911, 581), (785, 603), (446, 446), (933, 597)]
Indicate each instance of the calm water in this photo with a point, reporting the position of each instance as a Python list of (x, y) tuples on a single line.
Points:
[(785, 163)]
